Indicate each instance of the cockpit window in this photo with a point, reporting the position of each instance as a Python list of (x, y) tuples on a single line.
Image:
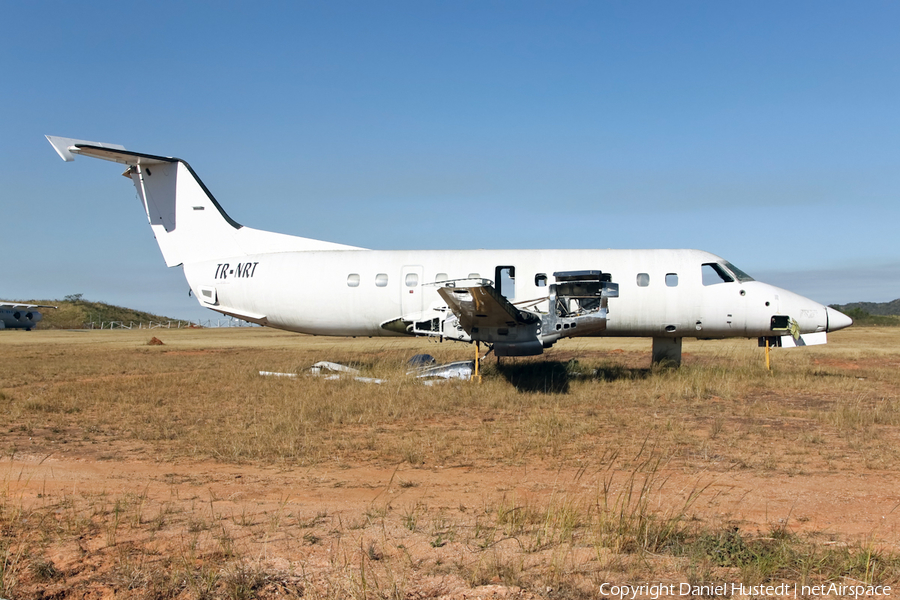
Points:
[(741, 276), (714, 273)]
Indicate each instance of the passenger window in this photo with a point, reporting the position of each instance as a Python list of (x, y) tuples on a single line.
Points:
[(353, 280), (381, 279), (441, 277), (412, 279), (643, 279), (540, 280), (671, 279), (714, 273)]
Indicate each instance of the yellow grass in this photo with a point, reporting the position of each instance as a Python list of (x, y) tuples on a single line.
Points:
[(200, 395)]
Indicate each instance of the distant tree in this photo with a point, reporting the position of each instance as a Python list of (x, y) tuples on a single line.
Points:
[(73, 297), (857, 314)]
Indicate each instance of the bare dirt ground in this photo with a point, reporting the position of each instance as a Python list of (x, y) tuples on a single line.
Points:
[(320, 518), (131, 518)]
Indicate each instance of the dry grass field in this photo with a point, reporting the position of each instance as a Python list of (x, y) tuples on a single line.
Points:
[(176, 471)]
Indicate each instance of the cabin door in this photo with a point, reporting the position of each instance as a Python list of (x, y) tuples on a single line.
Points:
[(411, 297)]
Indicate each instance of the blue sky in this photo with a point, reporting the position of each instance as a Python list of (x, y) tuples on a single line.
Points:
[(765, 132)]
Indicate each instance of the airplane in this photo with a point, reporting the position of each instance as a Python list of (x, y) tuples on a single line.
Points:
[(516, 302), (20, 316)]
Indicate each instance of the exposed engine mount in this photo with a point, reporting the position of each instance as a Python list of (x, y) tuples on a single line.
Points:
[(576, 306)]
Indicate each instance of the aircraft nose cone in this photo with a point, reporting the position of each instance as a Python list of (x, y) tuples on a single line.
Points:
[(837, 319)]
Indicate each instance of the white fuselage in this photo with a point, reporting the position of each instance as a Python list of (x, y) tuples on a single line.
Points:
[(353, 292)]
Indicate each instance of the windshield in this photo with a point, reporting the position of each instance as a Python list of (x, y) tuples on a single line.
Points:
[(714, 273), (741, 276)]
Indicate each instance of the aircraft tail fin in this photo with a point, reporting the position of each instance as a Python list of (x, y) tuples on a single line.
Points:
[(188, 223)]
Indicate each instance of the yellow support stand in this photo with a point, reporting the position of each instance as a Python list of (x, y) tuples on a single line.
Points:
[(477, 375), (768, 364)]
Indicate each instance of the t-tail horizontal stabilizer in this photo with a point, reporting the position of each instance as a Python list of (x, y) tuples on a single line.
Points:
[(189, 224), (67, 147)]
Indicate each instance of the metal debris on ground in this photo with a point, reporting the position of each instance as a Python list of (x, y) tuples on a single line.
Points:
[(422, 366), (274, 374), (317, 368), (332, 371), (461, 369), (327, 370)]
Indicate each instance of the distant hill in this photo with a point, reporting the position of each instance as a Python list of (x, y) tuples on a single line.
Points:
[(872, 313), (873, 308), (78, 314)]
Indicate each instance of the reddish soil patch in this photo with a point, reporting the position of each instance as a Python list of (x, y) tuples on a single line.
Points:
[(849, 506), (845, 505), (308, 519)]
